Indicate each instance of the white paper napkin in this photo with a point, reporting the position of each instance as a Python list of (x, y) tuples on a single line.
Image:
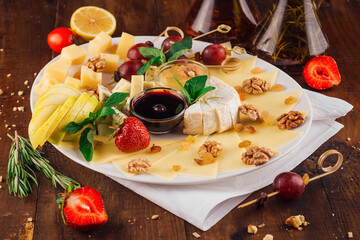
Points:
[(205, 204)]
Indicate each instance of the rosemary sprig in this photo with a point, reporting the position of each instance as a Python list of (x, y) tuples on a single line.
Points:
[(22, 157)]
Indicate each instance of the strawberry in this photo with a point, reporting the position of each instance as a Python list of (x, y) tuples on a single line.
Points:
[(132, 135), (321, 73), (82, 208)]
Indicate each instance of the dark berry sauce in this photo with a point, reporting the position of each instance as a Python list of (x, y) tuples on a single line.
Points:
[(158, 105)]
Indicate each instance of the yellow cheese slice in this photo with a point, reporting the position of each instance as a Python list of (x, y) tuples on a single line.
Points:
[(126, 42), (185, 158), (122, 162), (108, 152)]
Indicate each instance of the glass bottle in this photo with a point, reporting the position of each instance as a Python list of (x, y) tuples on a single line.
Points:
[(290, 35), (206, 15)]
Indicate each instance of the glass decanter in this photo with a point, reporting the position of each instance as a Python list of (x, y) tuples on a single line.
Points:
[(290, 35)]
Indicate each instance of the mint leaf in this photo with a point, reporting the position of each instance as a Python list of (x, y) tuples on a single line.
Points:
[(178, 54), (115, 99), (86, 143), (143, 69), (151, 52), (177, 46), (203, 91), (74, 127), (195, 84), (104, 112), (183, 90)]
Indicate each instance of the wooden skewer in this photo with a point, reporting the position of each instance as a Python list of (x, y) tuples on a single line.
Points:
[(165, 32), (222, 28), (327, 170)]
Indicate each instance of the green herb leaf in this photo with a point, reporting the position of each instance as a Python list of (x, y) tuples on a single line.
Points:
[(183, 90), (86, 143), (143, 69), (74, 127), (151, 52), (178, 54), (115, 99), (104, 112), (177, 46)]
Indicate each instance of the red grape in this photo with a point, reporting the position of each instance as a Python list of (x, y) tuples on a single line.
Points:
[(213, 54), (289, 185), (134, 54), (169, 41), (127, 69)]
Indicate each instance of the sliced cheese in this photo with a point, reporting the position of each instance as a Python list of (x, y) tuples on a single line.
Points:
[(122, 86), (137, 85), (194, 113), (209, 118), (125, 43)]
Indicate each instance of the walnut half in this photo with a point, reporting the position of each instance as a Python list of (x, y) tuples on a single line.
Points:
[(250, 111), (139, 165), (290, 120), (212, 147), (296, 221), (96, 63), (256, 155), (255, 85)]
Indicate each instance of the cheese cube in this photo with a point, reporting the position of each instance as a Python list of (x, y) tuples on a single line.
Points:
[(122, 86), (126, 42), (73, 82), (74, 54), (58, 70), (45, 83), (137, 85), (100, 43), (111, 62), (89, 78)]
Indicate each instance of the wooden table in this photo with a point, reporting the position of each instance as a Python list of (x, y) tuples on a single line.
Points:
[(330, 204)]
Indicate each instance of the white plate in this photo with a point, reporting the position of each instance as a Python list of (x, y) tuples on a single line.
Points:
[(109, 169)]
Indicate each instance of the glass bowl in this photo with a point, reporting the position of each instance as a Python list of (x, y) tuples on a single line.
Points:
[(160, 109), (182, 69)]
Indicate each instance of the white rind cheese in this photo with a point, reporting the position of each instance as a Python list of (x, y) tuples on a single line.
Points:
[(216, 111)]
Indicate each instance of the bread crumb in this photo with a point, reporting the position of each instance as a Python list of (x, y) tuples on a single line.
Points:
[(252, 229), (9, 75), (350, 235), (20, 93), (195, 234), (268, 237), (154, 217)]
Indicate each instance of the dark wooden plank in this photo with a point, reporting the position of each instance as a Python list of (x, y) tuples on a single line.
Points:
[(24, 50)]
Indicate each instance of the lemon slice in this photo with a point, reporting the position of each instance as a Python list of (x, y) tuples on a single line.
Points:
[(88, 21)]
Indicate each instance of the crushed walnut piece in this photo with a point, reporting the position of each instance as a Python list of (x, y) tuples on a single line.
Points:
[(296, 222), (255, 85), (290, 120), (96, 63), (189, 70), (256, 155), (350, 235), (252, 229), (250, 129), (290, 100), (250, 111), (196, 235), (139, 165), (1, 179), (268, 237), (1, 91), (212, 147), (155, 149), (277, 88), (261, 225), (93, 92), (9, 75), (260, 202), (238, 127), (245, 144), (306, 179), (154, 217), (77, 75), (206, 158)]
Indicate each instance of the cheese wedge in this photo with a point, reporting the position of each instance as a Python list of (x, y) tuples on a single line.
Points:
[(125, 43), (122, 86), (193, 123), (100, 43)]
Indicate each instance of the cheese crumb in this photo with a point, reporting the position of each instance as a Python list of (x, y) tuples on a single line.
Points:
[(350, 235), (14, 125), (6, 125), (9, 75), (268, 237), (26, 82), (154, 217), (348, 139), (12, 94), (20, 93), (20, 109), (195, 234), (252, 229)]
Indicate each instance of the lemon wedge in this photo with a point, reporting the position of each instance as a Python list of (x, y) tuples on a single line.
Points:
[(88, 21)]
